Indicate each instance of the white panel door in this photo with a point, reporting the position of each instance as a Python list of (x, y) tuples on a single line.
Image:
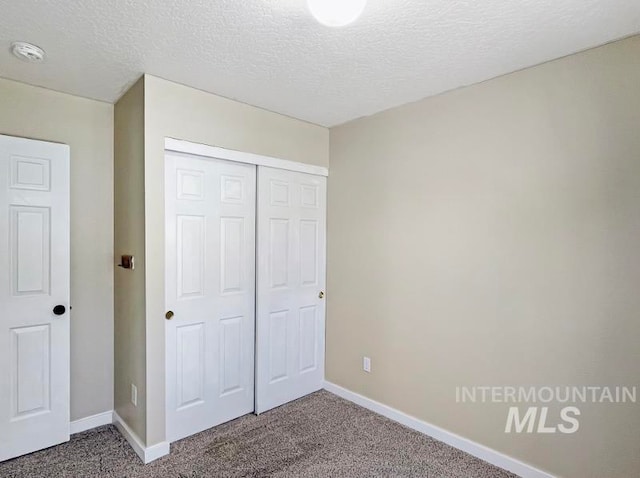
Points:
[(210, 289), (291, 281), (34, 295)]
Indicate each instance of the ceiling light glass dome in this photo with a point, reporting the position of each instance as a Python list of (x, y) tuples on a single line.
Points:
[(336, 13)]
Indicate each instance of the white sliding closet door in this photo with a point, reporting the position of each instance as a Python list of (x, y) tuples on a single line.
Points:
[(210, 290), (34, 295), (291, 282)]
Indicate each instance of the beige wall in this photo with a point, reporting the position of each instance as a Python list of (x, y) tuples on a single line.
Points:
[(87, 127), (129, 298), (176, 111), (489, 236)]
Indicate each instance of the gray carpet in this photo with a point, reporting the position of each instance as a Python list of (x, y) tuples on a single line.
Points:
[(317, 436)]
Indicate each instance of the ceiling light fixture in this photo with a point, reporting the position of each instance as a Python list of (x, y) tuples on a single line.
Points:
[(27, 52), (336, 13)]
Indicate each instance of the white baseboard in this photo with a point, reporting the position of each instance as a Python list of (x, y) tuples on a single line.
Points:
[(146, 454), (94, 421), (154, 452), (480, 451)]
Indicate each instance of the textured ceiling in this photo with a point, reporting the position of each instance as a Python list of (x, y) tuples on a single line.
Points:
[(272, 54)]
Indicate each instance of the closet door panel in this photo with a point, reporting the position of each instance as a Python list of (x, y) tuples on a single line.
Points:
[(290, 309), (210, 289)]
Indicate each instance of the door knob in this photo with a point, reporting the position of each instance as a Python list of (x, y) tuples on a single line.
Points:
[(169, 315), (321, 294), (59, 310)]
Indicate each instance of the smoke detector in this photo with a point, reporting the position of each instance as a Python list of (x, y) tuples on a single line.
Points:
[(27, 52)]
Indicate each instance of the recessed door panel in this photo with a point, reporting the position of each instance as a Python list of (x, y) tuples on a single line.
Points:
[(191, 249), (232, 254), (278, 193), (191, 364), (309, 252), (278, 325), (231, 355), (232, 188), (310, 195), (34, 278), (190, 185), (30, 173), (279, 252), (30, 249), (210, 287), (308, 338), (31, 370)]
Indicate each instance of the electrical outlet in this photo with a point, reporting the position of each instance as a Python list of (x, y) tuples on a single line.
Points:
[(134, 395), (366, 364)]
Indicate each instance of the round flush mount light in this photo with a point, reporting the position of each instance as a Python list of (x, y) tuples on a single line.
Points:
[(336, 13), (27, 52)]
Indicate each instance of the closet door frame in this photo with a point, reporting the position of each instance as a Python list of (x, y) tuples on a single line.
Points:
[(205, 151), (213, 152)]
